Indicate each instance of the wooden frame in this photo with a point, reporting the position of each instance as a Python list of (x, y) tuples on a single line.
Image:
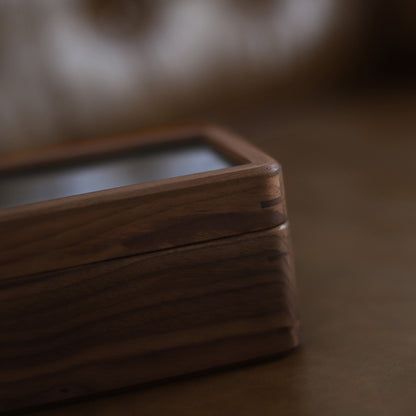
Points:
[(122, 287), (141, 218)]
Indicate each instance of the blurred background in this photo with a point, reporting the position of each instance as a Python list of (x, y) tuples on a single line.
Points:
[(76, 68)]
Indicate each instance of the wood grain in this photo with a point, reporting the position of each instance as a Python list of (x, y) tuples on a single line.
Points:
[(141, 218), (84, 330)]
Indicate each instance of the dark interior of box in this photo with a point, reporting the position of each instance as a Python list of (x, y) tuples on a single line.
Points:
[(111, 171)]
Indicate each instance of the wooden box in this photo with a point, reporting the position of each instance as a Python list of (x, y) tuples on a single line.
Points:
[(117, 282)]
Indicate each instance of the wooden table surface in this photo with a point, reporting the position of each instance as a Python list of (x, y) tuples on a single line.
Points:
[(350, 177)]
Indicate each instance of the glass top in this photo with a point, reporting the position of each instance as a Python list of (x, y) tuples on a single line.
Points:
[(139, 166)]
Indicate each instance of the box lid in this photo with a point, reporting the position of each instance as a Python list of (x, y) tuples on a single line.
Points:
[(243, 193)]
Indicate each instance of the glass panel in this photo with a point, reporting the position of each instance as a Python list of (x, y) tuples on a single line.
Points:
[(58, 181)]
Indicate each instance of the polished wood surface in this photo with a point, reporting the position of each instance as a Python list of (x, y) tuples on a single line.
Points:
[(350, 178), (113, 223), (110, 325)]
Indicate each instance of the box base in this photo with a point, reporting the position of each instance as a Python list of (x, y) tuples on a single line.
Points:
[(106, 326)]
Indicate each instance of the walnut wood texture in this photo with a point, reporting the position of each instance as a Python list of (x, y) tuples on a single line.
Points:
[(141, 218), (113, 324)]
